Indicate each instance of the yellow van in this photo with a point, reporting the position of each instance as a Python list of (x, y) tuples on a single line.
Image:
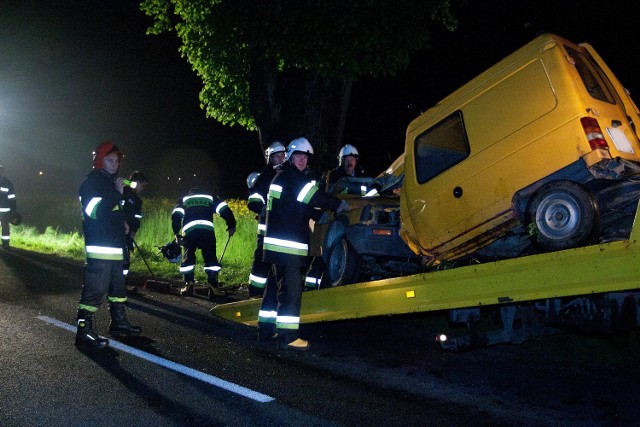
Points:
[(541, 148)]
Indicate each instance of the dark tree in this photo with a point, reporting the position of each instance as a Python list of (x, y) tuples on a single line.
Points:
[(285, 67)]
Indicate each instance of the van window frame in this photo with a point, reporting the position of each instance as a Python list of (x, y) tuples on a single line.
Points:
[(460, 151), (590, 71)]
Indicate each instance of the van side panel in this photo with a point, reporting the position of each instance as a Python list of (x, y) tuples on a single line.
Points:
[(509, 105)]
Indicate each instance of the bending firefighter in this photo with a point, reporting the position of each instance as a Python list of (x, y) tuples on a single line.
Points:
[(291, 202), (258, 191), (193, 215), (104, 230)]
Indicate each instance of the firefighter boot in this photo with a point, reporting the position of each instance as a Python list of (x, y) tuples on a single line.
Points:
[(289, 340), (266, 332), (214, 291), (86, 338), (119, 325), (188, 288)]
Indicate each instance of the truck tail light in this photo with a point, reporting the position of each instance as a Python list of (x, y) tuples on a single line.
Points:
[(593, 133)]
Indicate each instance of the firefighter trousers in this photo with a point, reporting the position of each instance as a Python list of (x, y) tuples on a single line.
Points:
[(205, 240), (5, 219), (283, 297), (259, 271), (102, 278)]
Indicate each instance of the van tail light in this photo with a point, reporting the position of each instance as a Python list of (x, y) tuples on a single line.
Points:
[(593, 133)]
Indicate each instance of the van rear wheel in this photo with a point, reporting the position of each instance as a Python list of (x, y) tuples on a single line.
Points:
[(343, 266), (564, 215)]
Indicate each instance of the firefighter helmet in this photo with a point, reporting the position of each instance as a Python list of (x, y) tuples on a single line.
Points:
[(347, 150), (102, 151), (275, 147), (15, 218), (251, 179), (300, 145), (172, 252)]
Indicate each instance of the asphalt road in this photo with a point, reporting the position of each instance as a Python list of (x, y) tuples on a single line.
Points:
[(189, 368)]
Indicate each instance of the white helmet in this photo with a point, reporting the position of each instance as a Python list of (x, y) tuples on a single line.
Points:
[(251, 179), (347, 150), (275, 147), (301, 145)]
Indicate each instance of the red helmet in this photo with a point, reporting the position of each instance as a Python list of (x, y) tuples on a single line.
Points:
[(102, 151)]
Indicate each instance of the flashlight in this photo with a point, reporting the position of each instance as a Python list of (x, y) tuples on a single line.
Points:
[(130, 183)]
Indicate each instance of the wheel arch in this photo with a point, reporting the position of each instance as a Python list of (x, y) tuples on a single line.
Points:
[(336, 231)]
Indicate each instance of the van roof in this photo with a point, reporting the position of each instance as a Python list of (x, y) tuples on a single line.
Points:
[(456, 99)]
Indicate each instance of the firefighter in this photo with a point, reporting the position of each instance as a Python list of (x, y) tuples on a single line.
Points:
[(258, 190), (348, 166), (104, 231), (133, 211), (291, 202), (7, 206), (192, 223)]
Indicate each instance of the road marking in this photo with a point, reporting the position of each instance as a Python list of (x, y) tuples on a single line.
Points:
[(210, 379)]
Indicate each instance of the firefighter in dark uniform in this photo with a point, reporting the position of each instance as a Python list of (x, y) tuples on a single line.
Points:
[(7, 206), (133, 212), (104, 229), (291, 203), (192, 223), (348, 166), (258, 191)]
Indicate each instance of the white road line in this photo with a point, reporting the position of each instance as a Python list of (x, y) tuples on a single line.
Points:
[(210, 379)]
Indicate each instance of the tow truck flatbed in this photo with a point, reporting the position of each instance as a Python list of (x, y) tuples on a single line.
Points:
[(584, 271)]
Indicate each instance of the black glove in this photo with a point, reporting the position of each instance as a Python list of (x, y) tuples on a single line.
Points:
[(231, 231), (179, 240)]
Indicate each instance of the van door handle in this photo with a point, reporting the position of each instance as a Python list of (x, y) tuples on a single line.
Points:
[(616, 123)]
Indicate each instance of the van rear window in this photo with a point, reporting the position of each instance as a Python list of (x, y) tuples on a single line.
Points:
[(441, 147), (593, 78)]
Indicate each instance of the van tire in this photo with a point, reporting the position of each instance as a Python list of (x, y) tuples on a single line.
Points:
[(343, 266), (564, 215)]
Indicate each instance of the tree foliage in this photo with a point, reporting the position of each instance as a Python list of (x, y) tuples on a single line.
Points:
[(261, 61)]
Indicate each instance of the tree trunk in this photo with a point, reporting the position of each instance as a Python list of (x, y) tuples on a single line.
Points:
[(300, 104)]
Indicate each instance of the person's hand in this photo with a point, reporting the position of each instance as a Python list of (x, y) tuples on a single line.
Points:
[(120, 185), (344, 207), (179, 240), (231, 231)]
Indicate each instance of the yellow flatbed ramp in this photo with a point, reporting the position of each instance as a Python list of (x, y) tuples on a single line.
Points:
[(606, 267)]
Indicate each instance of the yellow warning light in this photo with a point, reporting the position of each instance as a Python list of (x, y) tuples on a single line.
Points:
[(411, 294), (238, 314)]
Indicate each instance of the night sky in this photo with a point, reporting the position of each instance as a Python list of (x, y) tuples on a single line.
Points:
[(76, 73)]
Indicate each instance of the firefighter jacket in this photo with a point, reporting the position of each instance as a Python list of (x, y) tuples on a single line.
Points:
[(7, 196), (257, 201), (102, 217), (195, 211), (291, 203), (132, 209), (334, 175)]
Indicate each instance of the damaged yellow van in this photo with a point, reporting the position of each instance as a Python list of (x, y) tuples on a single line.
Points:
[(539, 152)]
